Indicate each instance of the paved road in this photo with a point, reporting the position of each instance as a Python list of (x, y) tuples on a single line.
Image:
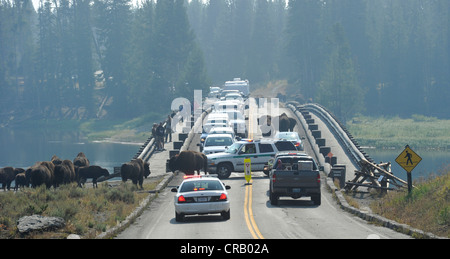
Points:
[(253, 217)]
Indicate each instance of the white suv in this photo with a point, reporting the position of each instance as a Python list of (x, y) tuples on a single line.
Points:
[(232, 160)]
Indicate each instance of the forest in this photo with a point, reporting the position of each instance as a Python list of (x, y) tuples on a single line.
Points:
[(118, 59)]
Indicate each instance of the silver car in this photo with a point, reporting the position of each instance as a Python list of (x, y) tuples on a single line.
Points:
[(201, 195)]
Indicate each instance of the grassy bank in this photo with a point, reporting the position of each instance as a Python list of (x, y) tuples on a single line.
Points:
[(136, 130), (418, 131), (427, 207), (87, 211)]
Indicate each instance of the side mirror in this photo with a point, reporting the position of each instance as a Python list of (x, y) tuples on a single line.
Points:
[(174, 189), (227, 187), (321, 168)]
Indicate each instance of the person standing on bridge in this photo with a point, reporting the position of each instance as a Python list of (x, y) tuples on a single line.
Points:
[(160, 136), (169, 129)]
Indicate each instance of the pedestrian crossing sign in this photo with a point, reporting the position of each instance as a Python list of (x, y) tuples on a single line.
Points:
[(408, 159)]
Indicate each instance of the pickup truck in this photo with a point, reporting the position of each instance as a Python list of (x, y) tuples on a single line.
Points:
[(296, 175)]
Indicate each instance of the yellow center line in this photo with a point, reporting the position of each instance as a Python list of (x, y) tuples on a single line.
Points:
[(248, 210)]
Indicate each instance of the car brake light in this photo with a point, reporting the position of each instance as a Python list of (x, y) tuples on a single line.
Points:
[(223, 197), (192, 176), (274, 176), (318, 178), (181, 199)]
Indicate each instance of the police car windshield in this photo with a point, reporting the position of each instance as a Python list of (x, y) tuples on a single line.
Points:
[(218, 141), (233, 149), (201, 185)]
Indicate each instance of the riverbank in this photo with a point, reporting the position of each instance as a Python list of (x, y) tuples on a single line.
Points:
[(419, 131), (86, 211), (426, 208), (127, 131)]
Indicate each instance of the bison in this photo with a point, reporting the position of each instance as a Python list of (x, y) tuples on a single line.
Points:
[(64, 173), (284, 124), (93, 172), (80, 160), (56, 160), (188, 162), (7, 175), (135, 170), (41, 173), (21, 180)]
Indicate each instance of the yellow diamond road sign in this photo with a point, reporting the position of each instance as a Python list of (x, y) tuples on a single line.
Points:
[(408, 159)]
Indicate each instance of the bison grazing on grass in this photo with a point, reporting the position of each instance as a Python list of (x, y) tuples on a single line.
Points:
[(188, 162), (93, 172), (135, 170)]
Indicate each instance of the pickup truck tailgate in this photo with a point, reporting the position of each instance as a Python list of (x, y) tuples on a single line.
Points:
[(296, 179)]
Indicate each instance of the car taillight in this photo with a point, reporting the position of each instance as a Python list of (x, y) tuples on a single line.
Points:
[(274, 177), (223, 197), (181, 199), (297, 144), (318, 178)]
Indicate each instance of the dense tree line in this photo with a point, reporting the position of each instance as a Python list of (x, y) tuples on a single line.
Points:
[(51, 58), (382, 57)]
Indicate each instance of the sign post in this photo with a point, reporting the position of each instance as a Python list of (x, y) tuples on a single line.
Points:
[(408, 160), (248, 170)]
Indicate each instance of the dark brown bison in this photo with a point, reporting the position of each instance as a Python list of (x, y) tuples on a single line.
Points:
[(80, 160), (7, 175), (56, 160), (135, 170), (188, 162), (284, 122), (21, 180), (64, 173), (41, 173), (93, 172)]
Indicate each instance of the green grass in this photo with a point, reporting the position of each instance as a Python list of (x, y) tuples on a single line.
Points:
[(87, 211), (418, 131), (426, 208)]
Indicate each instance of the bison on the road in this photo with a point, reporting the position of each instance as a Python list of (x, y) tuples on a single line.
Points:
[(188, 162)]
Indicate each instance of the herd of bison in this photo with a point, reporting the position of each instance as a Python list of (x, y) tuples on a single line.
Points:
[(57, 172)]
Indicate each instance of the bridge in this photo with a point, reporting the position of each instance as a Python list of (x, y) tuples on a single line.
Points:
[(252, 216)]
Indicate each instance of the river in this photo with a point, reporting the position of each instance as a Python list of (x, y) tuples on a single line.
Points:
[(22, 148), (433, 161)]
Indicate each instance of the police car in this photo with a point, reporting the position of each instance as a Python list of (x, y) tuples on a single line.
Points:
[(259, 151), (200, 194)]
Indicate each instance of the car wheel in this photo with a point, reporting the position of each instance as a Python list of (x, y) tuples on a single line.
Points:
[(273, 198), (179, 217), (316, 199), (226, 215), (223, 171)]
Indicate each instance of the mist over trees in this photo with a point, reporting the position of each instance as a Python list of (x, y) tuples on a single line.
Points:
[(377, 57)]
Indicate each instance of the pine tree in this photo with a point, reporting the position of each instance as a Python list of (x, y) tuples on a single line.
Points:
[(339, 88)]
